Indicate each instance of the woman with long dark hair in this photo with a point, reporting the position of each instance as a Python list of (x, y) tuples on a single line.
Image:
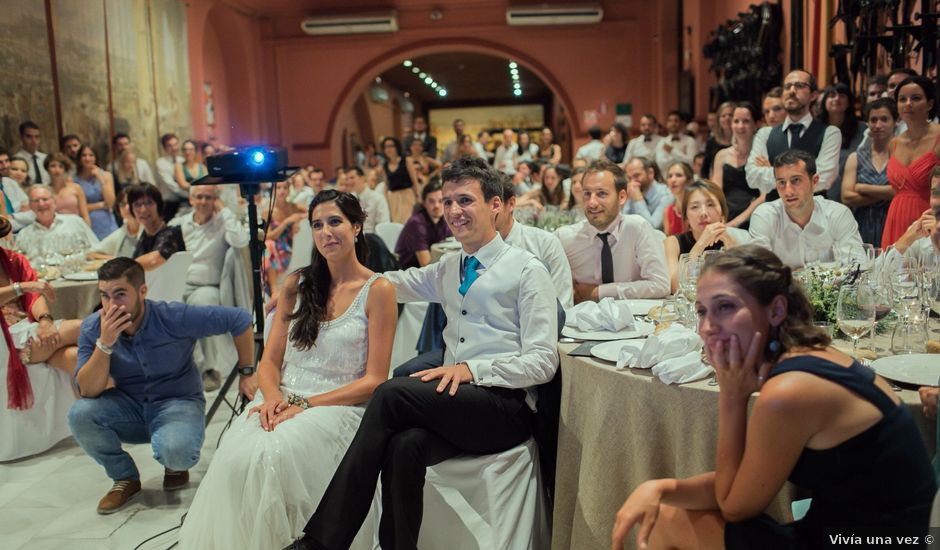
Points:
[(821, 420), (837, 107), (401, 191), (619, 138), (551, 192), (329, 348), (913, 156)]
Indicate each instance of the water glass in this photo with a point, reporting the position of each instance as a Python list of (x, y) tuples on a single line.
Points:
[(910, 334), (812, 255), (688, 272)]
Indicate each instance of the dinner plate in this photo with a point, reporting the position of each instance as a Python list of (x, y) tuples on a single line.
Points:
[(640, 329), (920, 369), (82, 276), (610, 351)]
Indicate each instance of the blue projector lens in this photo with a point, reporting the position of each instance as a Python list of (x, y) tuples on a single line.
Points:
[(257, 157)]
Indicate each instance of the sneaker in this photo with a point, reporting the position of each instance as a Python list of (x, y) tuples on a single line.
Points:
[(173, 480), (211, 380), (120, 494)]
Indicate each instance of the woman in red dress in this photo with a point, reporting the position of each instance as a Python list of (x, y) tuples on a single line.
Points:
[(913, 155)]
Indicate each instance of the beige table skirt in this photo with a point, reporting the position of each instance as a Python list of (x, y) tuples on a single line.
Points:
[(74, 299), (621, 428)]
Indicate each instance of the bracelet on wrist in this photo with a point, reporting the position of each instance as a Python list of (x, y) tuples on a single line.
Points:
[(299, 400), (47, 316), (105, 349), (17, 289)]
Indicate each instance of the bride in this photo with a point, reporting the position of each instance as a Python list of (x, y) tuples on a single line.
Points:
[(320, 366)]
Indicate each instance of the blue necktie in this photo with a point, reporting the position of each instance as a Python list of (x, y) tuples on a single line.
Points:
[(470, 266)]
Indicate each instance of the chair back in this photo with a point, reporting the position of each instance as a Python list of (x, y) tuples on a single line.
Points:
[(301, 248), (389, 232), (167, 282)]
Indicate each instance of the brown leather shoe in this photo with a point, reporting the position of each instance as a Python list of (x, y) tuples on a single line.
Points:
[(173, 480), (121, 492)]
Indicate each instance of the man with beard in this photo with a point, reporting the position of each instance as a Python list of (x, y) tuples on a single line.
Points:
[(139, 383), (799, 131)]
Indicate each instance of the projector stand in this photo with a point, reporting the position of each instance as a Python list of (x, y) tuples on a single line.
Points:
[(255, 248)]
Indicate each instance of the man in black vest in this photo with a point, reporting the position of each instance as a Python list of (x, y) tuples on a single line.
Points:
[(799, 131)]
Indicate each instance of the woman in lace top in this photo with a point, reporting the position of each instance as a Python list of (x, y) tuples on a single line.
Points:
[(329, 348)]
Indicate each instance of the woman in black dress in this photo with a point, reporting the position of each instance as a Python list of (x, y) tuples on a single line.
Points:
[(728, 170), (821, 420)]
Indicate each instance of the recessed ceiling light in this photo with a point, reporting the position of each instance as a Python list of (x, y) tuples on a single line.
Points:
[(415, 70), (407, 63), (442, 92), (422, 75), (518, 92), (512, 65), (514, 71)]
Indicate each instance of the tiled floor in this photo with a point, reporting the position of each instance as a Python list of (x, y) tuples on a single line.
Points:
[(48, 501)]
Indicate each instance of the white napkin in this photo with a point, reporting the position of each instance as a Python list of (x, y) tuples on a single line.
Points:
[(679, 370), (608, 314), (675, 341)]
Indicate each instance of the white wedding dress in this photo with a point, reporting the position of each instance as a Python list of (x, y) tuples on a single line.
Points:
[(262, 487)]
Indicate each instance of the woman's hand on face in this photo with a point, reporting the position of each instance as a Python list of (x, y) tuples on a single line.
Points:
[(740, 372), (641, 507), (928, 398)]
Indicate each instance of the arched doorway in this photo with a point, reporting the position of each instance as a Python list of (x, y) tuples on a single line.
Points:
[(366, 73)]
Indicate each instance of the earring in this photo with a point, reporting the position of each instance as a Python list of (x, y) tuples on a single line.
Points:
[(774, 346), (356, 239)]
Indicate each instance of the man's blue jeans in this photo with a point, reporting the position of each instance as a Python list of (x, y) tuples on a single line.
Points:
[(174, 427)]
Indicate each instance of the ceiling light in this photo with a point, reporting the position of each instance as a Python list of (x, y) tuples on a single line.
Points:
[(517, 92), (514, 71), (428, 80), (378, 80), (517, 85), (512, 65), (407, 63), (415, 70), (422, 75), (442, 92)]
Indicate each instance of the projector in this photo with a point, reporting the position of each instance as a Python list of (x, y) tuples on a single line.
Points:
[(249, 164)]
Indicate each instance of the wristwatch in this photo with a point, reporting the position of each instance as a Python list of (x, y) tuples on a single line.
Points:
[(17, 289), (246, 370)]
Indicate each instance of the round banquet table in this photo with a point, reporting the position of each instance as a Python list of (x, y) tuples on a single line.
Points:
[(618, 428), (74, 299)]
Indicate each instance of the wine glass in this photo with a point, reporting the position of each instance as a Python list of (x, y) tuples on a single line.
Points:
[(932, 294), (855, 311)]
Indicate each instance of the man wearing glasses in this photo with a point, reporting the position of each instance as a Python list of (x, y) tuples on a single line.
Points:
[(799, 131)]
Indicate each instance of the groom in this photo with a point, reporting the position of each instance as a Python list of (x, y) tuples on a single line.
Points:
[(500, 343)]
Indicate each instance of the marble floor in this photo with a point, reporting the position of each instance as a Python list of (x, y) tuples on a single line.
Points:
[(48, 501)]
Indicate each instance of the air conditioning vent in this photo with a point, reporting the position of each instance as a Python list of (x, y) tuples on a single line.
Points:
[(555, 14), (351, 24)]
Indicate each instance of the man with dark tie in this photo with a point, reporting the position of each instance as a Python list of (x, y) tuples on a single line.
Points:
[(612, 254), (420, 132), (799, 131), (29, 138), (644, 145), (500, 343), (677, 146)]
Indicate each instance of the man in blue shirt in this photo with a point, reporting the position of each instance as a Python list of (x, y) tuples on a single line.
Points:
[(139, 383)]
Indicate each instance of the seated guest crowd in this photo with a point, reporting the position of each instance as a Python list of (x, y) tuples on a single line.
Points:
[(300, 467)]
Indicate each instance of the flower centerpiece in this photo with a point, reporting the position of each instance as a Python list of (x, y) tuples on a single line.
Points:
[(548, 218)]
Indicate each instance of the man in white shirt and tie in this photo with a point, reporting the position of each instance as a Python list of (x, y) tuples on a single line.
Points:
[(645, 144), (208, 232), (800, 226), (677, 146), (500, 343), (29, 139), (373, 202), (612, 254), (798, 131)]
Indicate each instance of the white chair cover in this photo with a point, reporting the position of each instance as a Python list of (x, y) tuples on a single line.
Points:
[(406, 335), (167, 282), (389, 232), (301, 250), (36, 429), (491, 502)]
